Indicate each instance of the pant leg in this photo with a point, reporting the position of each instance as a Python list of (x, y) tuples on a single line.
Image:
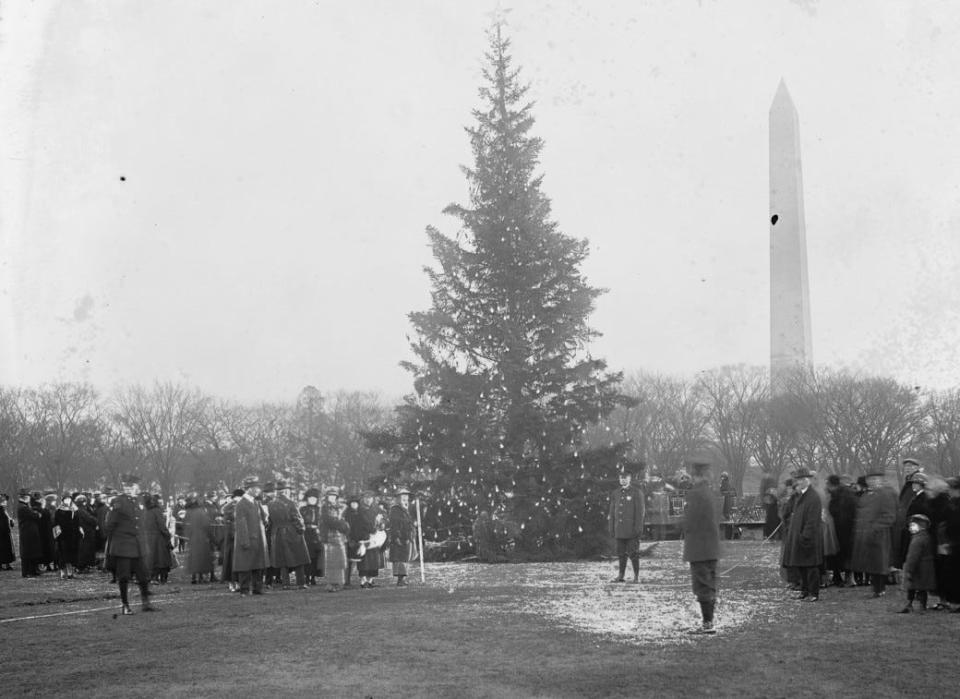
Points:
[(703, 575), (813, 581)]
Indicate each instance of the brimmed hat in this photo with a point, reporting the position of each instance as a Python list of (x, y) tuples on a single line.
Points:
[(353, 497), (953, 482), (238, 493), (129, 479), (879, 473), (282, 485), (251, 482), (698, 467), (833, 479), (403, 490), (802, 472), (332, 490), (312, 493), (269, 487), (23, 493), (917, 477), (910, 461), (920, 519)]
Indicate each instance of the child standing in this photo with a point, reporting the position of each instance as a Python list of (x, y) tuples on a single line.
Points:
[(918, 572)]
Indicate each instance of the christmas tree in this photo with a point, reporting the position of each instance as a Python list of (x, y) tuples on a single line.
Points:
[(504, 385)]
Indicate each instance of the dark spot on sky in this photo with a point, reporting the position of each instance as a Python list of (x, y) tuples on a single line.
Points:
[(122, 178), (774, 219)]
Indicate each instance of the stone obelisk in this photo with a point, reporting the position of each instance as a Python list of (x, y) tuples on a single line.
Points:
[(790, 344)]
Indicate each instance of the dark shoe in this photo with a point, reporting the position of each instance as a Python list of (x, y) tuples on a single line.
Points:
[(618, 580), (705, 630), (906, 610), (877, 595)]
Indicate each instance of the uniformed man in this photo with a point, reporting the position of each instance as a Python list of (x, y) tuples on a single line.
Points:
[(625, 522), (126, 543), (288, 549), (701, 542)]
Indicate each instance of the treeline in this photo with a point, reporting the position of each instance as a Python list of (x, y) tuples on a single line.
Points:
[(830, 420), (68, 436)]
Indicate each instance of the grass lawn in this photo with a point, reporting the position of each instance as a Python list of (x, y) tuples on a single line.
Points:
[(524, 630)]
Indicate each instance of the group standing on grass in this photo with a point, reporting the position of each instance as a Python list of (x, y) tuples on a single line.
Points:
[(867, 535), (259, 534)]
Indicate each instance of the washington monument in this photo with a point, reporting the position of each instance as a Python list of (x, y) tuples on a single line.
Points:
[(790, 346)]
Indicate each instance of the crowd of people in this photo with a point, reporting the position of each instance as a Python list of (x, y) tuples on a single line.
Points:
[(258, 537), (864, 533)]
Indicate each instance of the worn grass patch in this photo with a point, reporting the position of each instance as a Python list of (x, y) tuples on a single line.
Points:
[(521, 630)]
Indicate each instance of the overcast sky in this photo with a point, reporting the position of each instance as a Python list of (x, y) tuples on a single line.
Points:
[(235, 194)]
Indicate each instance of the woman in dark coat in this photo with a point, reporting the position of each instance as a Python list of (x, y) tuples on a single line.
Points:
[(843, 509), (199, 544), (358, 532), (159, 544), (402, 549), (31, 547), (87, 550), (948, 546), (6, 535), (311, 534), (66, 528), (48, 555), (373, 521)]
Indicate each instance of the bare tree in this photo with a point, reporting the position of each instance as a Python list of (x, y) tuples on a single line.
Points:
[(163, 423), (733, 397), (349, 414), (944, 411), (16, 465)]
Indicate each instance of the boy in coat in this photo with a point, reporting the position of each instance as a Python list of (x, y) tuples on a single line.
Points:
[(918, 571), (701, 543), (625, 523)]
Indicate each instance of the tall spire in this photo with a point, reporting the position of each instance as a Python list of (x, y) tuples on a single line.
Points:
[(790, 341)]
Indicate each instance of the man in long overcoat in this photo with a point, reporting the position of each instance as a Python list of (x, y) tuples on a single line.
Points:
[(126, 543), (625, 524), (842, 506), (288, 548), (7, 555), (701, 542), (876, 512), (250, 540), (31, 547), (402, 548), (803, 547)]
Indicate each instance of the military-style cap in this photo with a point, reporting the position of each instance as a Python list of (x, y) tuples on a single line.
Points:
[(917, 477), (251, 482), (910, 461), (403, 491), (24, 493), (238, 493), (129, 479), (802, 472), (331, 491), (877, 472), (269, 487), (921, 519)]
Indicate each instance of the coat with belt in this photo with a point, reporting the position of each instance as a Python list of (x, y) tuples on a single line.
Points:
[(876, 512), (625, 518), (288, 548), (701, 525), (803, 547), (250, 537), (28, 522), (124, 528)]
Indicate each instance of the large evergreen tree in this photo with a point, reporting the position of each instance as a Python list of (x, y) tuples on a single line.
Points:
[(504, 383)]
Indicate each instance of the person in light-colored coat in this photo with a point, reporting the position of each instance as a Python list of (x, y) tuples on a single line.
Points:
[(250, 540)]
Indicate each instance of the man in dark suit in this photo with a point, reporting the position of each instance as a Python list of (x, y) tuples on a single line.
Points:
[(625, 524), (126, 543), (250, 540), (803, 547), (701, 542)]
